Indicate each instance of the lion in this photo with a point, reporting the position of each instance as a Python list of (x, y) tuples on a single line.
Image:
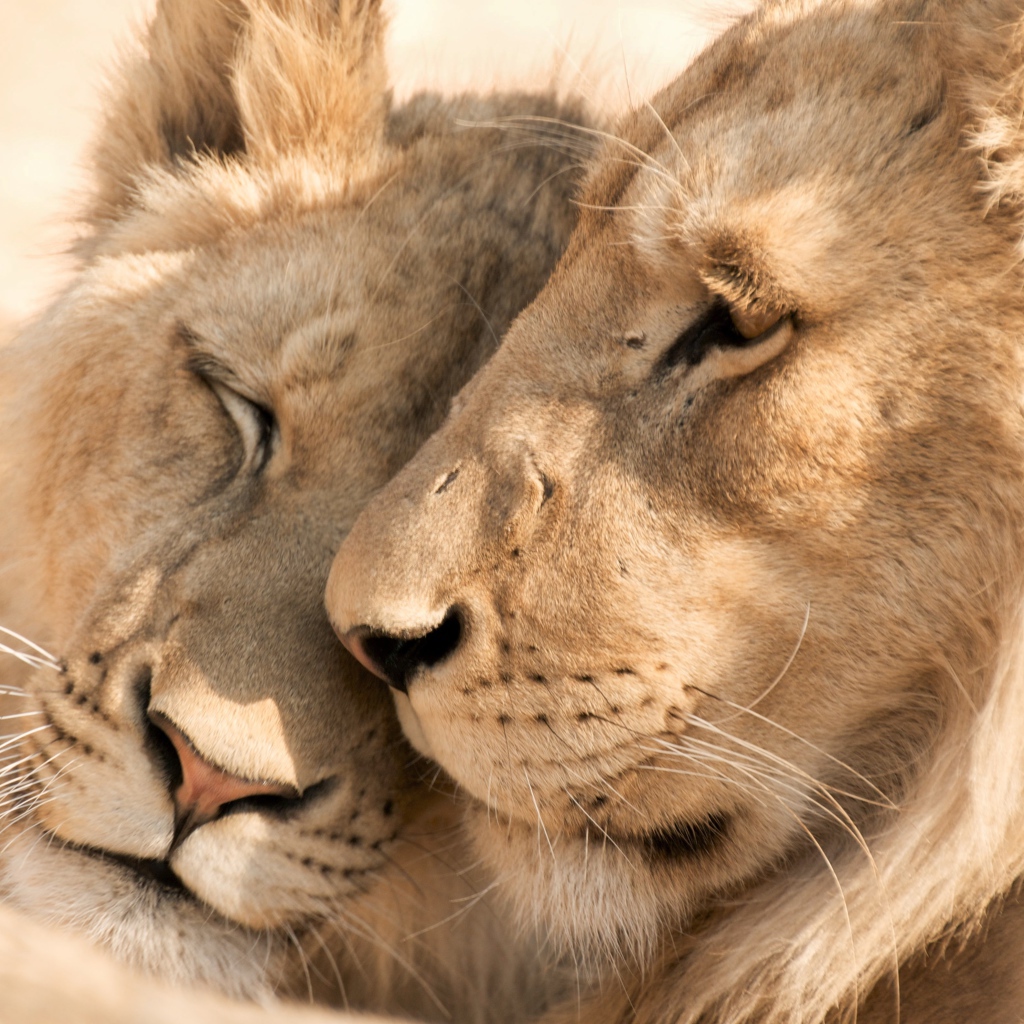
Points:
[(708, 593), (282, 281)]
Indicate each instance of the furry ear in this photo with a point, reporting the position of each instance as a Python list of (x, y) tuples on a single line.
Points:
[(171, 99), (256, 79), (314, 80)]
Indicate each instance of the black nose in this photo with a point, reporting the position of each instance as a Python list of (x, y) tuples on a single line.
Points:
[(396, 659)]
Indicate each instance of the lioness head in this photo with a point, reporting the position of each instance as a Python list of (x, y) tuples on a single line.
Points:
[(706, 583), (283, 283)]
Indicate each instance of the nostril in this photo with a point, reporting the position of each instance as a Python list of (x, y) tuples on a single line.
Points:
[(164, 754), (396, 658)]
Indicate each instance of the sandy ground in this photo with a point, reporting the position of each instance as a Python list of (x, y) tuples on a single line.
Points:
[(53, 54)]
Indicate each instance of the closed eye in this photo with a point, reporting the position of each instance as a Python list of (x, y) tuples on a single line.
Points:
[(256, 426), (739, 343)]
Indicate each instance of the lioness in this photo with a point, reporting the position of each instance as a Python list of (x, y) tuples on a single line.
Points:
[(709, 591), (282, 283)]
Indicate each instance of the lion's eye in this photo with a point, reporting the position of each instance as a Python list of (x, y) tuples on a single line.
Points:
[(739, 341), (256, 426)]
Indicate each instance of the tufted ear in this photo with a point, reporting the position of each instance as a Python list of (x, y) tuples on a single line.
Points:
[(311, 79), (251, 79), (171, 98)]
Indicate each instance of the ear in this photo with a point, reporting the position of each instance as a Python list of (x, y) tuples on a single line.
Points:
[(171, 98), (311, 80), (251, 79)]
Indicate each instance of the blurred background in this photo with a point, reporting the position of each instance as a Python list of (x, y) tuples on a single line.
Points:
[(54, 53)]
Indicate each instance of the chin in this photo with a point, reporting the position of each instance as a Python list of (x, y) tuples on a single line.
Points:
[(595, 900), (145, 918)]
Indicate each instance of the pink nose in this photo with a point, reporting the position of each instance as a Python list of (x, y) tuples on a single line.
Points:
[(206, 789)]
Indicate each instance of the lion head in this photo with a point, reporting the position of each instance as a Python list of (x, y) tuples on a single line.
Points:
[(282, 283), (708, 592)]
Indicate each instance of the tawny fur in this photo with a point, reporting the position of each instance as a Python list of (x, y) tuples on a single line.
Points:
[(282, 282), (732, 527)]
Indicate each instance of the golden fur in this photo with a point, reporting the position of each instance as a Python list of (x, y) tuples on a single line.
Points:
[(709, 592), (48, 977), (282, 282)]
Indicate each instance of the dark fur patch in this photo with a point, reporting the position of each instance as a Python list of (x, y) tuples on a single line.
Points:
[(201, 133), (686, 839), (926, 116)]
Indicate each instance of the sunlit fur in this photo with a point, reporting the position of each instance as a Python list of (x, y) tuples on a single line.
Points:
[(264, 231), (739, 688)]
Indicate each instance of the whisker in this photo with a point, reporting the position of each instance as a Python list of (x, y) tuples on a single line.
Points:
[(831, 809), (303, 959), (548, 123), (675, 142), (13, 740), (604, 832), (540, 820), (363, 928), (28, 643), (469, 903), (705, 724), (785, 668), (757, 759), (32, 660)]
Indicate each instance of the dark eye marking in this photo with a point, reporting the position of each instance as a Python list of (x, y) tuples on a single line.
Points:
[(713, 329), (549, 488)]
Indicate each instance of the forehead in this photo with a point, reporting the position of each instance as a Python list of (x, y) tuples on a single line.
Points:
[(791, 93), (811, 152), (297, 297)]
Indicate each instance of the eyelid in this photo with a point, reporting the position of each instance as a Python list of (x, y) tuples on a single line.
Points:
[(754, 323), (739, 361), (255, 423), (214, 373), (700, 336), (714, 345)]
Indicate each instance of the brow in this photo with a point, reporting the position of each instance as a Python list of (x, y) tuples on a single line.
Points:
[(203, 363)]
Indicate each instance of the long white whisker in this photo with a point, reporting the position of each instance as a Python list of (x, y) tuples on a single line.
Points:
[(333, 963), (28, 643), (675, 142), (13, 740), (540, 820), (604, 832), (712, 727), (642, 158), (363, 928), (32, 660)]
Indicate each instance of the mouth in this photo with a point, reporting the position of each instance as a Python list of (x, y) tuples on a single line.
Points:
[(157, 874), (684, 840)]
